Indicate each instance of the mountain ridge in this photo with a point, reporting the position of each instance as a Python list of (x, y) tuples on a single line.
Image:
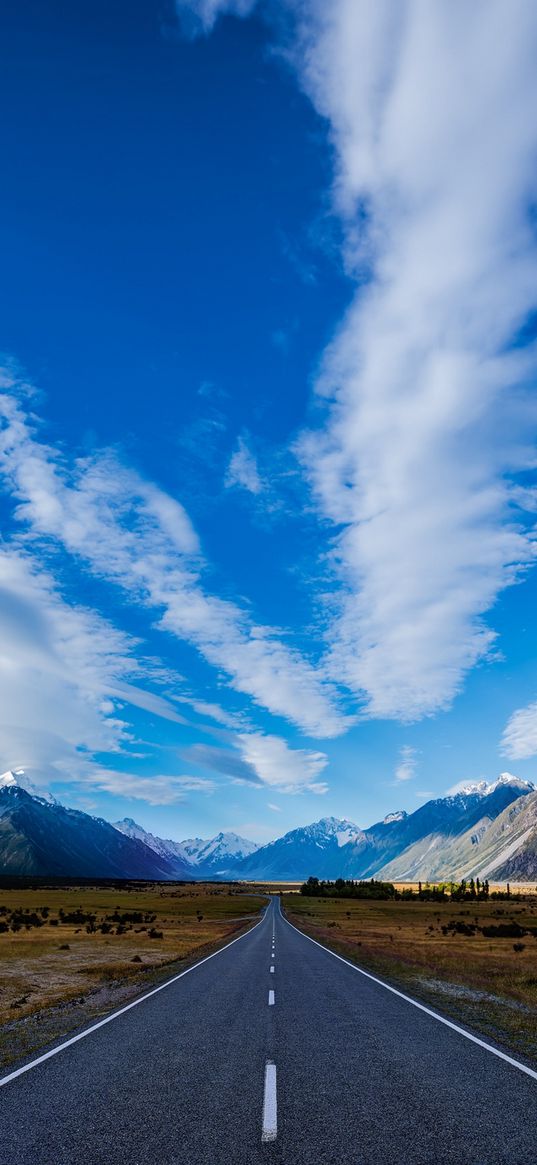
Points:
[(482, 828)]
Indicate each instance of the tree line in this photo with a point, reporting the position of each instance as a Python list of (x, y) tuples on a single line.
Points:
[(463, 891)]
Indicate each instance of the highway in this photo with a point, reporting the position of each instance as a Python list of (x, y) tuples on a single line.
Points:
[(270, 1051)]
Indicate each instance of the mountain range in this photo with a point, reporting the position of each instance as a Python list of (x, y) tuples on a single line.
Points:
[(484, 829)]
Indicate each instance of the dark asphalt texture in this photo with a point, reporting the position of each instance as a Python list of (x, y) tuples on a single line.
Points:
[(364, 1078)]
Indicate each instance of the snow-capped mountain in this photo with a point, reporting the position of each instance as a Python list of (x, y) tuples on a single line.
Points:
[(192, 847), (431, 843), (480, 828), (220, 853), (43, 838), (16, 778), (485, 788), (173, 851), (444, 838), (317, 848), (202, 856)]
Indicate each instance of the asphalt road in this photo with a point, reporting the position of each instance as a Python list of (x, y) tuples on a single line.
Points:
[(214, 1070)]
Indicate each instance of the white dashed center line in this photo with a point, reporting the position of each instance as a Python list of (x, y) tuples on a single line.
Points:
[(271, 999), (272, 969), (270, 1108)]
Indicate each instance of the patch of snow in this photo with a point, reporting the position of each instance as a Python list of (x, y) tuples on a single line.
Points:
[(485, 788), (224, 845), (165, 847), (17, 778)]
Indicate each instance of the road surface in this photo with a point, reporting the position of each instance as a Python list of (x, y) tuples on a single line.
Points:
[(271, 1051)]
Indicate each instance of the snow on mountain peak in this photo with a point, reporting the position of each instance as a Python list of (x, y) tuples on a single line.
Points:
[(341, 830), (399, 815), (216, 849), (165, 847), (485, 788), (16, 778)]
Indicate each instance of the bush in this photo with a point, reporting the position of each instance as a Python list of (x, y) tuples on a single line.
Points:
[(504, 930), (467, 928)]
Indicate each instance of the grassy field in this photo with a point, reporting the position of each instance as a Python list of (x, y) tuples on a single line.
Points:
[(70, 953), (424, 947)]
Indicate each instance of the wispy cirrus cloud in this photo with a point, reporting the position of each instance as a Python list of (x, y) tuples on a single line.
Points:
[(260, 759), (427, 417), (67, 679), (242, 469), (129, 532), (426, 413), (58, 666), (200, 16), (155, 790), (406, 768), (519, 738)]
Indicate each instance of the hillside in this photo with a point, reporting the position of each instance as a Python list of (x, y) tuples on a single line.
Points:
[(42, 838)]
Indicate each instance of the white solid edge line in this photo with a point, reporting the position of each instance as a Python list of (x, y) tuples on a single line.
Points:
[(421, 1006), (108, 1019), (270, 1106), (271, 999)]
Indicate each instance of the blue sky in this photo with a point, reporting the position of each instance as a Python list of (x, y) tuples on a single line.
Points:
[(267, 443)]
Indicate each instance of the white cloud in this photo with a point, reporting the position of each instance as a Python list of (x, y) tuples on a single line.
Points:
[(428, 107), (519, 739), (199, 16), (427, 417), (275, 808), (57, 665), (157, 790), (129, 532), (406, 769), (289, 770), (255, 758), (211, 711), (242, 470)]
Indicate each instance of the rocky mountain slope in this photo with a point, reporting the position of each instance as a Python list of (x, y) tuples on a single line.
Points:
[(434, 842), (319, 848), (172, 851), (485, 830), (203, 857), (37, 837)]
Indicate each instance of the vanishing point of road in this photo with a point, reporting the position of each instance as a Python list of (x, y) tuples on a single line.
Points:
[(273, 1051)]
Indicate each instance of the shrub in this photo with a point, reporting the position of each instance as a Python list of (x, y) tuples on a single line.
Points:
[(504, 930), (467, 928)]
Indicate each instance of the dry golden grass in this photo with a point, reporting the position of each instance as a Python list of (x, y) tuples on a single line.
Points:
[(43, 966), (484, 981)]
